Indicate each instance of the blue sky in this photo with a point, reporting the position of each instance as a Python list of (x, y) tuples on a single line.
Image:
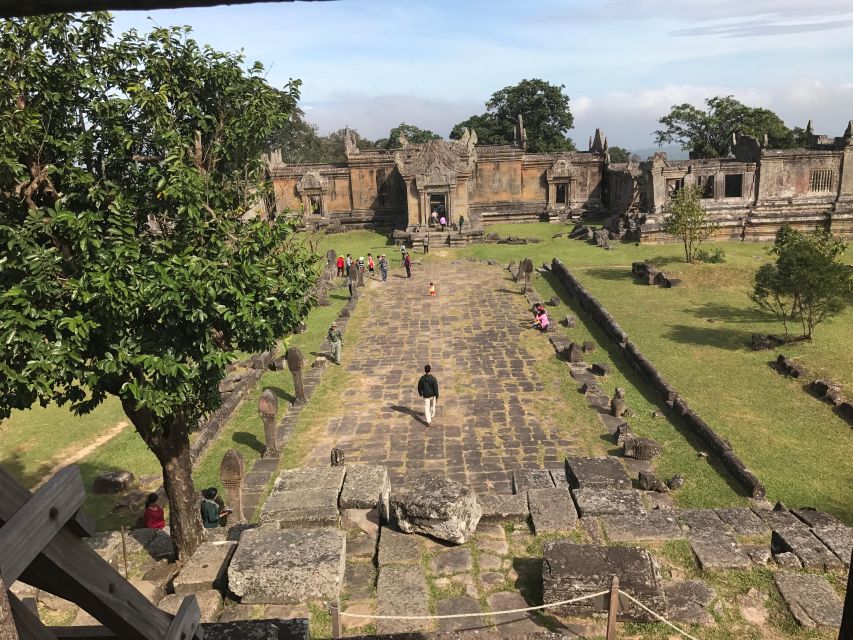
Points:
[(372, 64)]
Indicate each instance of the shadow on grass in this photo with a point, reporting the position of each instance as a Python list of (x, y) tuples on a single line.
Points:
[(662, 261), (640, 384), (729, 313), (722, 338), (282, 394), (409, 412), (620, 274), (249, 440), (339, 296), (13, 464), (513, 291)]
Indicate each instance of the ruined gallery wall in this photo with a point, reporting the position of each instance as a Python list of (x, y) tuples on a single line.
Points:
[(721, 448), (495, 181), (789, 176)]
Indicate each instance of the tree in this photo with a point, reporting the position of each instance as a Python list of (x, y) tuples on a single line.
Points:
[(808, 282), (544, 107), (618, 154), (413, 134), (685, 218), (128, 265), (709, 133), (487, 127)]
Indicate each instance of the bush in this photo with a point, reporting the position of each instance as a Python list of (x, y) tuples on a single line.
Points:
[(714, 257)]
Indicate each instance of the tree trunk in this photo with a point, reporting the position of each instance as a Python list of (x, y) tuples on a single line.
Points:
[(169, 440)]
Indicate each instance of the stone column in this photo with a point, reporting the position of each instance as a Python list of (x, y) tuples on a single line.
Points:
[(268, 407), (295, 363), (527, 270), (231, 474)]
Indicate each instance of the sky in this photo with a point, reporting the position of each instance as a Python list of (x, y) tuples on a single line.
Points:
[(371, 64)]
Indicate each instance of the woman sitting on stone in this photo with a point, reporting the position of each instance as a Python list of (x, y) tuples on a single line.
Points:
[(153, 516), (541, 316)]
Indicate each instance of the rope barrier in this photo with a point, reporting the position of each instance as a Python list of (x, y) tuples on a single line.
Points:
[(659, 617), (479, 613)]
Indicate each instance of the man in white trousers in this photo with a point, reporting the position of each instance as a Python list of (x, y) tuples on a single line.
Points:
[(428, 390)]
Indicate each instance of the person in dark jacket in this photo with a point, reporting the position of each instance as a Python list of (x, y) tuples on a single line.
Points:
[(212, 510), (428, 390)]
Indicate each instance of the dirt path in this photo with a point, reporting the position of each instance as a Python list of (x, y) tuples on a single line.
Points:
[(69, 456)]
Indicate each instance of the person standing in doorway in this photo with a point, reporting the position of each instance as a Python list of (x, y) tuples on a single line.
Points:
[(443, 222), (383, 267), (461, 222), (336, 340), (407, 262), (426, 243), (434, 217), (428, 390)]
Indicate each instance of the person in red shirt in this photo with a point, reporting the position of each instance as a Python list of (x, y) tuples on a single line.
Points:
[(153, 517), (340, 265)]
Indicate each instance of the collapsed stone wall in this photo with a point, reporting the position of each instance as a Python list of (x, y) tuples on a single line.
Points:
[(632, 354)]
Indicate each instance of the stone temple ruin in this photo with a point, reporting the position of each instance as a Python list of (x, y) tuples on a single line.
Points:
[(750, 194)]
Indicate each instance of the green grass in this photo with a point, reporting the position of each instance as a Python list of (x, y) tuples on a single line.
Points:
[(32, 441), (698, 335)]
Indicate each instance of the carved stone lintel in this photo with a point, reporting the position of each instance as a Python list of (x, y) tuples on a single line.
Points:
[(231, 474)]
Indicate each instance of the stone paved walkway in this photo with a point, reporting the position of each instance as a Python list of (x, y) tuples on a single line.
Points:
[(486, 423)]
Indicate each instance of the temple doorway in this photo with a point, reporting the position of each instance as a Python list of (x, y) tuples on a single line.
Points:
[(438, 203)]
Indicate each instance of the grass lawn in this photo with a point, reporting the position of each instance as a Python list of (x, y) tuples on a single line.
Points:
[(697, 335)]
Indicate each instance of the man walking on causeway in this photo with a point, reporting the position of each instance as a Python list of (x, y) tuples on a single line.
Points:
[(336, 341), (428, 390)]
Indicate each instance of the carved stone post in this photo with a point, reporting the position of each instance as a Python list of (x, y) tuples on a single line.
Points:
[(360, 276), (268, 407), (527, 269), (231, 473), (295, 363)]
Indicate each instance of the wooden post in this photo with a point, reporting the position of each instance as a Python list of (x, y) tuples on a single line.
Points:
[(124, 549), (335, 610), (613, 609)]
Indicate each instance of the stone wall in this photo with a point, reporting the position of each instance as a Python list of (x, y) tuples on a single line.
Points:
[(720, 447)]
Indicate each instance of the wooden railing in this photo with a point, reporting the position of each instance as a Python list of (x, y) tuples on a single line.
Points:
[(41, 545)]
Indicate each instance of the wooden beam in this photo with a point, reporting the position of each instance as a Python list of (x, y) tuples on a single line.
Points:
[(28, 624), (68, 568), (187, 621), (19, 8), (26, 533)]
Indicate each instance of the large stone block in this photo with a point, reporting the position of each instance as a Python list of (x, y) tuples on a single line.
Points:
[(366, 487), (209, 601), (113, 482), (551, 510), (571, 570), (273, 566), (811, 599), (205, 569), (654, 525), (743, 521), (602, 502), (605, 472), (503, 508), (524, 479), (398, 548), (802, 543), (402, 591), (305, 498), (437, 506), (718, 550)]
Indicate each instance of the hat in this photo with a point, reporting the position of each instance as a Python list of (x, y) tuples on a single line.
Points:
[(361, 257), (334, 324)]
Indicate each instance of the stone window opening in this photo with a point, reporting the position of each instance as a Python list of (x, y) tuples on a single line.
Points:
[(673, 186), (734, 185), (821, 180), (315, 205), (706, 186), (562, 194)]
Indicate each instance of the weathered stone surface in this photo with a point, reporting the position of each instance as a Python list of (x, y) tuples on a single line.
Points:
[(688, 602), (778, 519), (361, 609), (398, 548), (654, 525), (524, 479), (839, 540), (551, 510), (558, 476), (460, 604), (717, 550), (491, 531), (787, 560), (640, 448), (107, 544), (604, 472), (157, 542), (244, 630), (611, 501), (305, 498), (205, 569), (359, 580), (743, 521), (366, 487), (814, 518), (503, 508), (571, 570), (112, 482), (366, 520), (648, 481), (698, 521), (488, 562), (238, 612), (493, 545), (361, 545), (437, 506), (511, 624), (802, 543), (575, 352), (752, 606), (273, 566), (402, 591), (209, 601), (452, 561), (491, 579), (811, 599)]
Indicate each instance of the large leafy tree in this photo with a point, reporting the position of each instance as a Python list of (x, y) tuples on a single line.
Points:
[(127, 166), (544, 107), (686, 219), (808, 282), (300, 143), (708, 133), (413, 134)]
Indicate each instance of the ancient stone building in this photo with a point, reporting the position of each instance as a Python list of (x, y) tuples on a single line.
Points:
[(750, 194)]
